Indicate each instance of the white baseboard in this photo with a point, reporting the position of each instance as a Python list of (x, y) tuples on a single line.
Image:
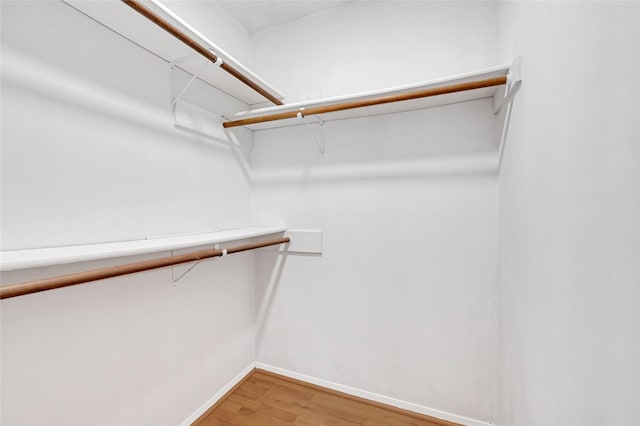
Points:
[(375, 397), (226, 388)]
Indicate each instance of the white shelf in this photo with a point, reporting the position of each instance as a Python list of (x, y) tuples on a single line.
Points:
[(33, 258), (133, 26), (388, 108)]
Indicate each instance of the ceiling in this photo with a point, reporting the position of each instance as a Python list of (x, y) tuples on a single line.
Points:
[(257, 15)]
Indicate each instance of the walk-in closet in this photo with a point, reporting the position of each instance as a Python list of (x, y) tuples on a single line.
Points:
[(219, 212)]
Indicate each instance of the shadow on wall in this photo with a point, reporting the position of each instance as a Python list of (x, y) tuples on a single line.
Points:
[(454, 140), (270, 264), (27, 73)]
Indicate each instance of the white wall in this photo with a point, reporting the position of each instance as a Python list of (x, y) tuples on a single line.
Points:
[(570, 216), (83, 102), (402, 301), (368, 45), (89, 154)]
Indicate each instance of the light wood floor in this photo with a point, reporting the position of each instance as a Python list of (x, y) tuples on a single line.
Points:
[(264, 398)]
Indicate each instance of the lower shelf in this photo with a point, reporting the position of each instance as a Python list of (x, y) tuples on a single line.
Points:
[(33, 258)]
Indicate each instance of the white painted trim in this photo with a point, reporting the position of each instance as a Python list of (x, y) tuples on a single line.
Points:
[(215, 398), (375, 397)]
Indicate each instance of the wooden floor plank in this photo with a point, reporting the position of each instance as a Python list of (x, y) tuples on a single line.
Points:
[(265, 398), (258, 375), (374, 415)]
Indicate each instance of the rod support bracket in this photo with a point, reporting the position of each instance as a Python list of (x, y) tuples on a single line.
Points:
[(178, 272), (319, 137), (514, 82), (174, 98)]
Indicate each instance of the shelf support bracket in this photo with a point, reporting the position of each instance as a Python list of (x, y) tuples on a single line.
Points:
[(319, 137), (179, 277), (178, 272), (514, 77), (514, 82), (174, 98)]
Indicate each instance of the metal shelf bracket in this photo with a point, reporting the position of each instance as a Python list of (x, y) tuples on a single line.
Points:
[(514, 82), (173, 96), (178, 272), (318, 137)]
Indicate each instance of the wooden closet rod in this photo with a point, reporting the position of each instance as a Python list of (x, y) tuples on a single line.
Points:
[(497, 81), (113, 271), (171, 29)]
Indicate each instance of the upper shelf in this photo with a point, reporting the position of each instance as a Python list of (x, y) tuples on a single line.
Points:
[(135, 27), (495, 91), (33, 258)]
